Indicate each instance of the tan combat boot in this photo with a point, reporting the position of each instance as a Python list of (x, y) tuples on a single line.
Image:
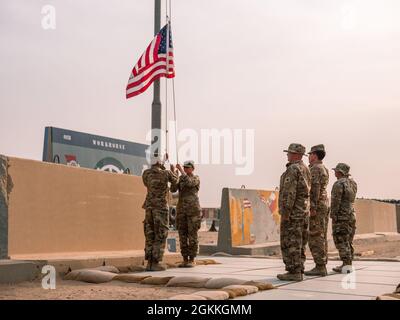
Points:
[(347, 266), (191, 263), (289, 276), (318, 270), (156, 266), (184, 263), (148, 266)]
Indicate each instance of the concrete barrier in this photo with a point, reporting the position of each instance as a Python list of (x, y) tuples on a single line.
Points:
[(247, 217), (54, 208), (375, 216), (249, 221)]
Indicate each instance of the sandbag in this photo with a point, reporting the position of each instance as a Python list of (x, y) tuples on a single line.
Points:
[(90, 275), (260, 285), (249, 289), (191, 282), (218, 283), (232, 293), (107, 269), (236, 292), (213, 294), (187, 297), (128, 269), (156, 280), (130, 277)]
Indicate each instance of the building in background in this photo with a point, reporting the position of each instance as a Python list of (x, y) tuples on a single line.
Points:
[(95, 152)]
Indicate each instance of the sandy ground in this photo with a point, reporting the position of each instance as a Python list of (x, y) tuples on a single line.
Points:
[(74, 290)]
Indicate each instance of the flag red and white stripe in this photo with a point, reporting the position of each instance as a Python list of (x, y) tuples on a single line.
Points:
[(246, 203), (156, 62)]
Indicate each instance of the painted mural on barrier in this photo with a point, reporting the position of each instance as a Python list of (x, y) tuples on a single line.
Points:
[(254, 216)]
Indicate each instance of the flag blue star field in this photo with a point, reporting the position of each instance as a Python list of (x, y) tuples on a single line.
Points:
[(156, 62)]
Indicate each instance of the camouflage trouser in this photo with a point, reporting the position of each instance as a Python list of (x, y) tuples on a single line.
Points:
[(343, 234), (317, 237), (188, 226), (156, 233), (294, 237)]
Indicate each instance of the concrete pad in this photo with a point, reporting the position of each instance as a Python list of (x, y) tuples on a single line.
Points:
[(383, 268), (361, 289), (282, 294), (362, 278)]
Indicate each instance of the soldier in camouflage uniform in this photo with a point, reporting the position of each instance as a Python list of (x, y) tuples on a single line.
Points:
[(188, 217), (319, 211), (294, 195), (156, 217), (343, 195)]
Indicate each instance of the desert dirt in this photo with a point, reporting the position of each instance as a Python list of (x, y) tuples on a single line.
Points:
[(75, 290)]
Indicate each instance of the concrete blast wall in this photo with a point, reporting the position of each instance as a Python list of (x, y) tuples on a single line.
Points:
[(251, 217), (375, 216), (59, 209)]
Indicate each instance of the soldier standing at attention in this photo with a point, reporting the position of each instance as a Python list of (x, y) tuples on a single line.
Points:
[(294, 195), (188, 218), (343, 195), (156, 217), (319, 211)]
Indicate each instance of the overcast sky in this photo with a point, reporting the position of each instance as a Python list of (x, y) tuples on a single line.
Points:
[(311, 71)]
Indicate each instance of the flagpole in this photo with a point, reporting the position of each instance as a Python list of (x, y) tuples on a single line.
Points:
[(156, 105)]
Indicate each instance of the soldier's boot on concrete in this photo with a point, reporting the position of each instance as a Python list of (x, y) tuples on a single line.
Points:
[(191, 263), (346, 267), (338, 269), (148, 266), (184, 263), (289, 276), (156, 266), (318, 270)]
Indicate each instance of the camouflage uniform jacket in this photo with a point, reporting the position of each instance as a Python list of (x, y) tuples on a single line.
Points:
[(156, 181), (343, 195), (319, 183), (188, 187), (294, 190)]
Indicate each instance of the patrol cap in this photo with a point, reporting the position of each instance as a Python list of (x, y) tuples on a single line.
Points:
[(318, 147), (343, 168), (188, 164), (296, 148)]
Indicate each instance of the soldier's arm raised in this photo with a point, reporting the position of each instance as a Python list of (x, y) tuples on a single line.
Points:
[(190, 181), (172, 177), (144, 178), (336, 198), (174, 186)]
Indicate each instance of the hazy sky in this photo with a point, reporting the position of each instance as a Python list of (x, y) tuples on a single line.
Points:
[(312, 71)]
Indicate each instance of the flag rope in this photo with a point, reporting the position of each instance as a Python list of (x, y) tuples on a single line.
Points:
[(168, 16)]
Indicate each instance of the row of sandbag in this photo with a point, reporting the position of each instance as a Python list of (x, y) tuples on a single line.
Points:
[(230, 287), (227, 292)]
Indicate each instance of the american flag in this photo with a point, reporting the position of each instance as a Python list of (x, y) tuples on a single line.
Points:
[(156, 62), (246, 203)]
